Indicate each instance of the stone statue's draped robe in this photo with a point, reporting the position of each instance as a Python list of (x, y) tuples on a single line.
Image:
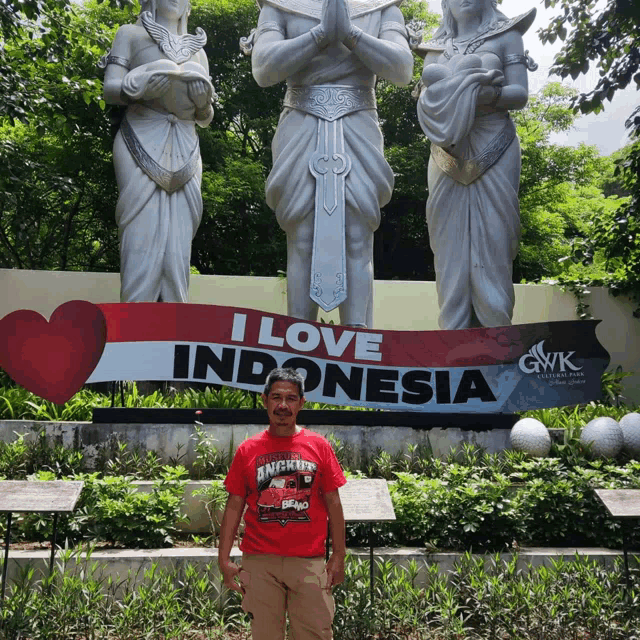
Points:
[(157, 223), (290, 188), (474, 228)]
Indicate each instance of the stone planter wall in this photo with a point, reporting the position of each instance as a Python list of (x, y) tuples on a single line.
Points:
[(131, 564), (177, 440)]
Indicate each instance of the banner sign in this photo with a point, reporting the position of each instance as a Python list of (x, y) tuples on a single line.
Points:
[(497, 370), (504, 369)]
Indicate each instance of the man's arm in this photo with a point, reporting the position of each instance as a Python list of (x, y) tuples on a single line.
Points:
[(389, 55), (230, 521), (335, 566)]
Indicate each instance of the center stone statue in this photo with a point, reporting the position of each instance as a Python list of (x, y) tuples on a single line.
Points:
[(329, 176), (161, 73), (475, 70)]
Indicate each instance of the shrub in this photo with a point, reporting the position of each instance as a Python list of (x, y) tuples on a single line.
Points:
[(121, 515), (445, 514), (20, 458), (111, 510)]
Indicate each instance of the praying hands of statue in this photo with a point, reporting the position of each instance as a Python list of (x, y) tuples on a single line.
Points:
[(343, 21), (335, 21)]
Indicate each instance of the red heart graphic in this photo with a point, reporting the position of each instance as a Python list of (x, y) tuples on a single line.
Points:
[(53, 359)]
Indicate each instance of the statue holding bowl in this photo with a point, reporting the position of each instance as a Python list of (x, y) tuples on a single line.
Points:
[(475, 71)]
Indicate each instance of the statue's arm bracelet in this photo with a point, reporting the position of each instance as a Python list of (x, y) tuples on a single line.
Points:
[(247, 43), (352, 39), (319, 35), (122, 62), (394, 26), (516, 58), (269, 26)]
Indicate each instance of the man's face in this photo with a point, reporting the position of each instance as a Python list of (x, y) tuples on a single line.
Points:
[(283, 403)]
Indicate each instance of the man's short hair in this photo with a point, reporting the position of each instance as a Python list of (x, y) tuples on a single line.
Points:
[(284, 375)]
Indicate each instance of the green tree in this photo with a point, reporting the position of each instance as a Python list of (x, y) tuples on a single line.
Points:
[(57, 184), (238, 234), (607, 37), (561, 187), (34, 35), (56, 178), (401, 245)]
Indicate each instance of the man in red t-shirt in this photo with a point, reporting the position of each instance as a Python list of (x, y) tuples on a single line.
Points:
[(288, 479)]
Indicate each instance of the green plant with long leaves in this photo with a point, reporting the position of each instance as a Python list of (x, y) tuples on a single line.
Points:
[(495, 598), (210, 462), (214, 497)]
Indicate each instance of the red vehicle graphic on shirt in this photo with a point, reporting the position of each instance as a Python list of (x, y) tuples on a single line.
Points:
[(288, 492)]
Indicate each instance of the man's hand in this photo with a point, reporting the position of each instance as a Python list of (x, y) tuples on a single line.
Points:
[(335, 570), (343, 21), (230, 571)]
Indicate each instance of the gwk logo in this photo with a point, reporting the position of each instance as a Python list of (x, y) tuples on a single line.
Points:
[(537, 361)]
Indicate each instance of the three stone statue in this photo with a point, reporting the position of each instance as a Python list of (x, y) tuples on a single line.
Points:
[(329, 177)]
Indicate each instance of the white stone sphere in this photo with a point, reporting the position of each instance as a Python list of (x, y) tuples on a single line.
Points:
[(605, 435), (531, 436), (630, 425)]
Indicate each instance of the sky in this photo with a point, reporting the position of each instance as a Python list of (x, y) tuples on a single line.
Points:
[(606, 130)]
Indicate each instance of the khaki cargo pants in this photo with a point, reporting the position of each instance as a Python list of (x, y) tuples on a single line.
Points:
[(274, 585)]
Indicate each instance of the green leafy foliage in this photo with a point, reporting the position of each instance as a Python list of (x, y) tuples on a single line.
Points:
[(561, 188), (605, 35), (110, 509), (57, 193), (471, 499), (78, 601), (17, 403), (601, 34), (214, 497), (501, 598), (532, 502), (210, 461), (118, 458), (121, 515), (21, 458)]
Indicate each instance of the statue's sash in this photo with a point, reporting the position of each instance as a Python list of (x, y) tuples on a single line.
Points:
[(467, 171), (168, 180)]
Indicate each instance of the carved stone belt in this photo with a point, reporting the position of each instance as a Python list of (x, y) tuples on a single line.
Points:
[(170, 181), (329, 164), (330, 101), (467, 171)]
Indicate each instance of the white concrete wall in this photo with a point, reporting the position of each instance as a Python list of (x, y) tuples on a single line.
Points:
[(399, 305)]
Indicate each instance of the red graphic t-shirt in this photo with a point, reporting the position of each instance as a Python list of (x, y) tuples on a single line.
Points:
[(283, 481)]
